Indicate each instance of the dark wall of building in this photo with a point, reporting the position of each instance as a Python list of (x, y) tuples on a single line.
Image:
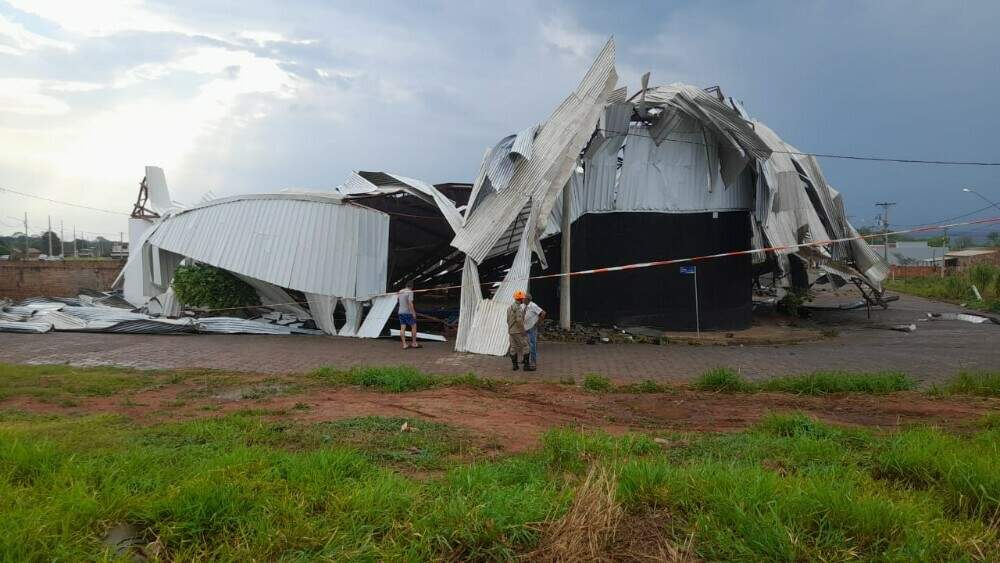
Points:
[(660, 296)]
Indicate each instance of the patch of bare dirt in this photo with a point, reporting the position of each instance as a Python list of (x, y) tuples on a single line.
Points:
[(515, 416)]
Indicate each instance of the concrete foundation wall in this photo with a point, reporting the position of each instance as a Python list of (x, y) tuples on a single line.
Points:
[(31, 278)]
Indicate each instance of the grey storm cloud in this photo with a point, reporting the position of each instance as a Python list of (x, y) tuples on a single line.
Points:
[(254, 96)]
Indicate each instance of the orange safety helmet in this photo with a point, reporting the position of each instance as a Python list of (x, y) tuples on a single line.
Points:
[(518, 295)]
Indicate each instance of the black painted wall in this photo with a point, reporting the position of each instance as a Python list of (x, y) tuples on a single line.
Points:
[(661, 296)]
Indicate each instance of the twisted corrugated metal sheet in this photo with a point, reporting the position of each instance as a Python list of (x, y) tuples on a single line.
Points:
[(539, 179), (230, 325), (378, 315), (517, 211), (308, 242)]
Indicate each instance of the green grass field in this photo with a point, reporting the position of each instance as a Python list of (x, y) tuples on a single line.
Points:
[(258, 485), (244, 487)]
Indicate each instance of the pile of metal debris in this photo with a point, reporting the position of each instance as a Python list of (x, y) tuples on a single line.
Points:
[(86, 314)]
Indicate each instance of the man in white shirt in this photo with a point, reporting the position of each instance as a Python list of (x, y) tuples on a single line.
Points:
[(407, 316), (533, 315)]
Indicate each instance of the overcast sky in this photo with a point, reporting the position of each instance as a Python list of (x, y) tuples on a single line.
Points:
[(244, 96)]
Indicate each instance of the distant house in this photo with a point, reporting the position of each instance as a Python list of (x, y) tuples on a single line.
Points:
[(119, 250), (911, 253), (970, 256), (18, 254)]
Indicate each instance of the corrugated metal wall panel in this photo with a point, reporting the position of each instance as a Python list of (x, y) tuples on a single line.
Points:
[(315, 245), (353, 310), (378, 315), (322, 308), (676, 176)]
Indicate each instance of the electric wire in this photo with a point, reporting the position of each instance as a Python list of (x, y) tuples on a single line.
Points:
[(50, 200), (825, 155)]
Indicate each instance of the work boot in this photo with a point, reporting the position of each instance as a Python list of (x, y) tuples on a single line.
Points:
[(513, 360), (527, 362)]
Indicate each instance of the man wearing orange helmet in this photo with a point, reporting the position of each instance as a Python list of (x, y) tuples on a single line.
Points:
[(517, 333)]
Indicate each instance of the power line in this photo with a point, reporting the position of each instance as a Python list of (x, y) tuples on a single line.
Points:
[(826, 155), (81, 206), (962, 216)]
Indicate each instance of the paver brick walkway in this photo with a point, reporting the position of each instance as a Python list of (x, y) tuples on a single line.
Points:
[(936, 350)]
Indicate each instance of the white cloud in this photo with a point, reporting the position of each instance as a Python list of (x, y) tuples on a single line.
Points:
[(165, 129), (98, 17), (23, 96), (16, 40), (566, 36), (262, 38)]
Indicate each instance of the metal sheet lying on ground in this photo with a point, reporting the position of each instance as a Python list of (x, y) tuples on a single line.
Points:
[(230, 325), (25, 326)]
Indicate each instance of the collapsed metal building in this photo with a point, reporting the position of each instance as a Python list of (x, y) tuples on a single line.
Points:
[(670, 172)]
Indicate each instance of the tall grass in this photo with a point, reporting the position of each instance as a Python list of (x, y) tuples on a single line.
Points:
[(824, 382), (984, 384), (816, 383), (957, 287), (723, 380), (240, 487), (396, 379)]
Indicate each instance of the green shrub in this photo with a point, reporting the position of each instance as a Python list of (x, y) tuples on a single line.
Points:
[(722, 379), (212, 288), (597, 383)]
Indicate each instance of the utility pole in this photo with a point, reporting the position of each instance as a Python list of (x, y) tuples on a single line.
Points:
[(944, 249), (62, 240), (565, 319), (25, 235), (75, 254), (48, 234), (885, 205)]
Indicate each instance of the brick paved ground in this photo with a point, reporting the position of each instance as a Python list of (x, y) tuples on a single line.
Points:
[(936, 350)]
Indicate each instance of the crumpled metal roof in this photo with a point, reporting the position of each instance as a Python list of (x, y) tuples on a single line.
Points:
[(539, 179), (514, 213), (308, 242)]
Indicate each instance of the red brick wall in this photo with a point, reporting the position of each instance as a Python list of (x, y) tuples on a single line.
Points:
[(33, 278)]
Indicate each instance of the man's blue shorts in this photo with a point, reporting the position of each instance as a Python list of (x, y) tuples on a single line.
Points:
[(406, 319)]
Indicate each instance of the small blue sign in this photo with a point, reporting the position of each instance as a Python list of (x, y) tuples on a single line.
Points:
[(689, 270)]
